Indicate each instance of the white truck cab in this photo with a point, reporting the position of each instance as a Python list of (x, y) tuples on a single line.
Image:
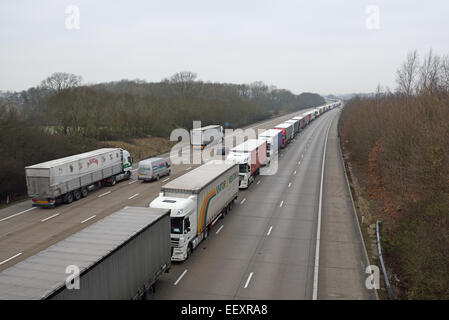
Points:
[(243, 160), (183, 223), (196, 201)]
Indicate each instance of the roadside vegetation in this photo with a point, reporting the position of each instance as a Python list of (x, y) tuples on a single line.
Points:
[(397, 144), (61, 117)]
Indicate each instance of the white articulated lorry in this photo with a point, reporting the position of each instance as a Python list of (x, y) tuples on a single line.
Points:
[(68, 179), (196, 201), (250, 156)]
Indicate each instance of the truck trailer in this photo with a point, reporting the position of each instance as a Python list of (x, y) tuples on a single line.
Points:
[(274, 141), (250, 155), (287, 130), (296, 126), (201, 137), (302, 121), (69, 179), (116, 258), (196, 200)]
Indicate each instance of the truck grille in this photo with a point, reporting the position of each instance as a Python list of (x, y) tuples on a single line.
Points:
[(174, 242)]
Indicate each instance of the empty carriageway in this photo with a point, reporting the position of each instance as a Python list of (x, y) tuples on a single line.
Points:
[(266, 247)]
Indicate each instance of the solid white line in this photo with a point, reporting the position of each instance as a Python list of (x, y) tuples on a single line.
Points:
[(133, 181), (318, 229), (180, 277), (249, 279), (244, 199), (9, 259), (106, 193), (269, 231), (16, 214), (294, 172), (219, 229), (188, 168), (299, 162), (48, 218), (282, 202), (89, 218), (258, 182), (133, 196), (290, 184), (166, 180)]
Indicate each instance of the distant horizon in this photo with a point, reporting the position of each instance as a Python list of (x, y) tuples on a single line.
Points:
[(206, 81), (321, 47)]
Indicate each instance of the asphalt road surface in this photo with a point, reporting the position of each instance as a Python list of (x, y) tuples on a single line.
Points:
[(266, 248), (25, 231)]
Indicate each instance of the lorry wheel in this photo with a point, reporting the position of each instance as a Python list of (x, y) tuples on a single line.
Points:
[(68, 198), (157, 178), (128, 175), (76, 195), (84, 192), (189, 251), (206, 233), (113, 181)]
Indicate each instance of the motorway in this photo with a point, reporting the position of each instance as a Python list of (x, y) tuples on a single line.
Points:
[(25, 231), (266, 248)]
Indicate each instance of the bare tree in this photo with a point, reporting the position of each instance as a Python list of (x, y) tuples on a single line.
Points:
[(429, 73), (444, 73), (183, 81), (407, 74), (60, 81), (184, 76)]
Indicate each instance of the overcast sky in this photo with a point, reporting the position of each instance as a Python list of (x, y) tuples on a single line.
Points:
[(332, 46)]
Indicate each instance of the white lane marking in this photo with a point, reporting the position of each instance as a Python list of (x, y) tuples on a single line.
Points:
[(188, 168), (9, 259), (249, 279), (258, 182), (290, 184), (219, 229), (243, 201), (89, 218), (180, 277), (282, 202), (299, 162), (166, 180), (50, 217), (294, 172), (104, 194), (134, 181), (16, 214), (269, 231), (318, 229), (133, 196)]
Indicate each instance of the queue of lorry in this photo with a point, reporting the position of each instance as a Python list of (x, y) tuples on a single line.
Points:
[(139, 243)]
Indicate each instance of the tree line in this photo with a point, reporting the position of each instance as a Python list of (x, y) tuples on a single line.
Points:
[(63, 116), (398, 146)]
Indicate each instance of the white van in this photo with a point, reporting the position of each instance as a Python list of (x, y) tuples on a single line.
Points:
[(152, 169)]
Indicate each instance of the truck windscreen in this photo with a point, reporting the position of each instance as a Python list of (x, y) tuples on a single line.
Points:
[(176, 225)]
